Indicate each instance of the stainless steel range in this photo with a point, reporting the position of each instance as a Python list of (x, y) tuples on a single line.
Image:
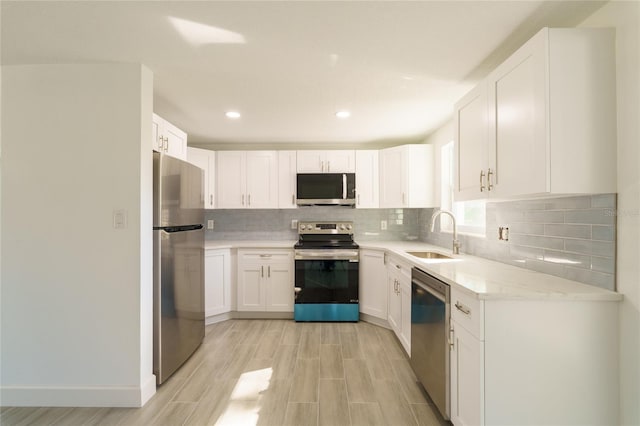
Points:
[(326, 272)]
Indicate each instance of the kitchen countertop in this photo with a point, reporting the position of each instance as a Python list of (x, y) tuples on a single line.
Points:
[(492, 280), (274, 244), (484, 278)]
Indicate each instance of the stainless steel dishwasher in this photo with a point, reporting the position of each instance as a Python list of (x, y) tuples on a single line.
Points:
[(430, 336)]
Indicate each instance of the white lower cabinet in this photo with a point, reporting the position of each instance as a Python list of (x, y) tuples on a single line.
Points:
[(373, 283), (467, 355), (217, 281), (399, 285), (265, 280), (533, 362)]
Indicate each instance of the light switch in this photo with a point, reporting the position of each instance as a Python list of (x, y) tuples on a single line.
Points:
[(119, 219), (294, 223), (210, 224), (383, 225)]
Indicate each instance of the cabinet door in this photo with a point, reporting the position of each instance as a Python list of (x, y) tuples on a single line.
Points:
[(517, 122), (340, 161), (393, 191), (279, 287), (217, 281), (470, 133), (310, 161), (395, 303), (262, 179), (287, 180), (373, 284), (466, 366), (230, 179), (405, 313), (156, 134), (251, 291), (176, 141), (367, 180), (204, 159)]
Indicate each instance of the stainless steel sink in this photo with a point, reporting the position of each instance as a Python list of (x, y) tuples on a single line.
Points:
[(428, 255)]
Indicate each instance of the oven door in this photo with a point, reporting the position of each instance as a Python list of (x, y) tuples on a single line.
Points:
[(326, 276)]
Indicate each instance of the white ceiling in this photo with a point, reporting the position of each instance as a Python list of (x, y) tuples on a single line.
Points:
[(289, 66)]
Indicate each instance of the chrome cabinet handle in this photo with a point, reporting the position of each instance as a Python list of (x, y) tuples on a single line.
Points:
[(462, 308), (243, 199), (328, 166), (322, 166), (293, 199), (211, 199), (358, 199), (404, 199), (481, 180), (262, 271), (489, 174), (166, 144), (269, 271), (249, 199), (265, 255)]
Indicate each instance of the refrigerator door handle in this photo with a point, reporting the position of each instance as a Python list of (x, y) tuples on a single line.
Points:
[(172, 229)]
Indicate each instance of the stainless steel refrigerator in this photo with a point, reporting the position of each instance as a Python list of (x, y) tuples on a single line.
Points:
[(178, 263)]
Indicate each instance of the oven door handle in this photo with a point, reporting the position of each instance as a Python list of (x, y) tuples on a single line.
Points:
[(350, 255)]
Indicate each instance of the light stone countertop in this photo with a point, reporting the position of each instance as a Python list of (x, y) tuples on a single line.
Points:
[(274, 244), (484, 278)]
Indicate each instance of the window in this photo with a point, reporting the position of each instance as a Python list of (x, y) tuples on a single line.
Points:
[(470, 215)]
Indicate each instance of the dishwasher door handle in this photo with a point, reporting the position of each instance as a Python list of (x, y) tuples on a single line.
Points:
[(431, 291)]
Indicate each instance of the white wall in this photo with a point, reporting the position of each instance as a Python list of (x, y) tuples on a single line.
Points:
[(76, 293), (625, 17), (438, 139)]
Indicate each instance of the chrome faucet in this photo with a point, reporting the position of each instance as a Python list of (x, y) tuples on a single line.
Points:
[(432, 226)]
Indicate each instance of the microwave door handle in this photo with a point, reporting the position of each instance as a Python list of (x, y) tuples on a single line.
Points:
[(344, 186)]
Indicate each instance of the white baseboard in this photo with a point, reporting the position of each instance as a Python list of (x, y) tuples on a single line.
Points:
[(98, 396)]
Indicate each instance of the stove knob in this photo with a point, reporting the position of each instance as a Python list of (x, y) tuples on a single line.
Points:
[(303, 227), (342, 227), (349, 227)]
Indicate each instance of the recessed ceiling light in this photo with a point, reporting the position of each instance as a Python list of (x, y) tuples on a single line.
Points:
[(232, 114), (343, 114)]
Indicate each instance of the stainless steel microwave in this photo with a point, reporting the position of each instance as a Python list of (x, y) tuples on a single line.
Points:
[(326, 189)]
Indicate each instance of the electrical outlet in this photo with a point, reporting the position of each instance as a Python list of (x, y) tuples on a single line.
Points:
[(503, 233), (210, 224), (383, 225), (294, 223)]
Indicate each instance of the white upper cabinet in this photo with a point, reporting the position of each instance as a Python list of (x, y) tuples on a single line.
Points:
[(168, 138), (247, 179), (470, 124), (287, 180), (335, 161), (367, 180), (407, 177), (549, 123), (206, 160)]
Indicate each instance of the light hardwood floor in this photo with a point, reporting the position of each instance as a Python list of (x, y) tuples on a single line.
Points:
[(273, 372)]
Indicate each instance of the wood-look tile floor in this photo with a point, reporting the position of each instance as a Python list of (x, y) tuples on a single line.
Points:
[(273, 372)]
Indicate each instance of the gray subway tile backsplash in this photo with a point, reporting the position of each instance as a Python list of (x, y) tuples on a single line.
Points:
[(571, 237)]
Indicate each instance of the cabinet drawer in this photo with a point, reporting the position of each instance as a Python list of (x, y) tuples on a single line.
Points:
[(468, 311), (271, 256)]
